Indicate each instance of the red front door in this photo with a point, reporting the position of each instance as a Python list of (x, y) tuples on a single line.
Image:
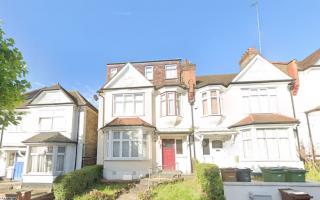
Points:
[(168, 154)]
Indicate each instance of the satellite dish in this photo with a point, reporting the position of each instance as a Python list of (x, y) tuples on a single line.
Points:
[(95, 97)]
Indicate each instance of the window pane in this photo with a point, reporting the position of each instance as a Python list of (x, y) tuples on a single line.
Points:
[(134, 149), (61, 149), (60, 163), (128, 104), (134, 135), (171, 71), (214, 106), (178, 104), (125, 149), (149, 72), (116, 135), (116, 149), (139, 109), (179, 148), (205, 107), (171, 103), (205, 147), (125, 135), (217, 144)]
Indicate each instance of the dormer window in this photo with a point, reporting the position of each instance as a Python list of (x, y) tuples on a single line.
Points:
[(170, 104), (171, 71), (211, 103), (148, 71), (113, 72)]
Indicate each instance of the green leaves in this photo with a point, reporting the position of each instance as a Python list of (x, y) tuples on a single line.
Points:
[(13, 81)]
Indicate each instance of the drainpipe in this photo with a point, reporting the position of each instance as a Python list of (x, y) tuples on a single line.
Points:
[(290, 88), (78, 129), (191, 137), (310, 137)]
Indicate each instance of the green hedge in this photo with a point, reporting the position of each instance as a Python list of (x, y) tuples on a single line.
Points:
[(66, 186), (208, 175)]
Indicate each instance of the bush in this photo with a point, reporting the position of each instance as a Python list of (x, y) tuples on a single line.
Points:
[(208, 175), (66, 186)]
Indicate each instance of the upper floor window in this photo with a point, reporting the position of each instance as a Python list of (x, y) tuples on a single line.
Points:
[(210, 103), (148, 71), (170, 103), (171, 71), (113, 72), (128, 104), (51, 123), (260, 100)]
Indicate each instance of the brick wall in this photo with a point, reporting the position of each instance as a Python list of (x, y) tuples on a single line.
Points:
[(90, 152), (158, 70)]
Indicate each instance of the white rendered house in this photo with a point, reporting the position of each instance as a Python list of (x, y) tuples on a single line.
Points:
[(57, 134), (159, 114)]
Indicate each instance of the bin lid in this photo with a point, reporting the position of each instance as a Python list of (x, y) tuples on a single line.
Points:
[(295, 193)]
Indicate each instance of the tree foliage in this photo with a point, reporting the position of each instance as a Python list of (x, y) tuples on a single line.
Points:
[(13, 83)]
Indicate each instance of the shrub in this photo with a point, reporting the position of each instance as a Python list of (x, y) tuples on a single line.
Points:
[(208, 175), (66, 186)]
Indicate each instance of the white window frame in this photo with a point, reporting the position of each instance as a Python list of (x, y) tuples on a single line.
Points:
[(268, 94), (123, 102), (113, 72), (148, 74), (142, 140), (164, 97), (51, 128), (54, 155), (206, 96), (171, 71)]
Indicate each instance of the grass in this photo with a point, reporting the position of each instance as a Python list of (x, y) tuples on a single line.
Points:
[(188, 189), (109, 189), (313, 173)]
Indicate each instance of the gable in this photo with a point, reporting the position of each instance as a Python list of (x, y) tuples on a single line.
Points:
[(51, 97), (259, 69), (128, 77)]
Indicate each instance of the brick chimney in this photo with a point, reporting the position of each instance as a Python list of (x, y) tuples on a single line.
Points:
[(247, 56), (293, 73), (188, 78)]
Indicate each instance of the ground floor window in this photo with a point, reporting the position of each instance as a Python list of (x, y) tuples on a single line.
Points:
[(46, 159), (127, 145), (179, 147), (266, 143), (205, 147)]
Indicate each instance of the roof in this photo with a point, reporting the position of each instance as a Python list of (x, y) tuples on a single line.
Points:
[(264, 118), (217, 79), (51, 137), (146, 61), (136, 121), (74, 95), (283, 66), (314, 109), (310, 60)]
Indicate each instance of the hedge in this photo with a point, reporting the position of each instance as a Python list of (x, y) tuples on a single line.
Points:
[(208, 175), (66, 186)]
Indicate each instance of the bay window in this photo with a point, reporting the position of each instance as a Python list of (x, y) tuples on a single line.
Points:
[(171, 71), (46, 159), (210, 102), (128, 145), (247, 144), (170, 104), (128, 104), (260, 100)]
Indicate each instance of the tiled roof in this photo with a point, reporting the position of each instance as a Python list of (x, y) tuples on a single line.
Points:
[(314, 109), (310, 60), (136, 121), (283, 66), (264, 118), (218, 79), (51, 137)]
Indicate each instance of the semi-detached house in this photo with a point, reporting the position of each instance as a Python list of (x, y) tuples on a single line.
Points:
[(158, 114), (57, 134)]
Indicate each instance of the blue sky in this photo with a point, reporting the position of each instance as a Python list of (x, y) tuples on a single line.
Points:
[(71, 41)]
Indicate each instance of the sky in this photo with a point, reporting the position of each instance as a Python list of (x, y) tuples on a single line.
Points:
[(70, 42)]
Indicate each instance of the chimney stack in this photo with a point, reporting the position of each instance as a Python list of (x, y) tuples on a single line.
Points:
[(247, 56), (188, 78)]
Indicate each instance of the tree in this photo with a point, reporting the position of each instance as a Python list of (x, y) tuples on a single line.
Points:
[(13, 83)]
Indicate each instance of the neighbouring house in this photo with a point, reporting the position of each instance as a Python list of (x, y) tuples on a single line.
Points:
[(307, 104), (247, 119), (57, 134), (159, 114)]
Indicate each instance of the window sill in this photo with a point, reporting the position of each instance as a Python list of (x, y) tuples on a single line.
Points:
[(127, 159)]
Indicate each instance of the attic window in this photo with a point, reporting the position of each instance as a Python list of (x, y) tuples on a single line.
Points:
[(113, 72), (171, 71), (149, 72)]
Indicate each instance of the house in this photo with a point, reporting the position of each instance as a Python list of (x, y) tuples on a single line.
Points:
[(247, 119), (145, 118), (57, 134), (307, 104), (158, 114)]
